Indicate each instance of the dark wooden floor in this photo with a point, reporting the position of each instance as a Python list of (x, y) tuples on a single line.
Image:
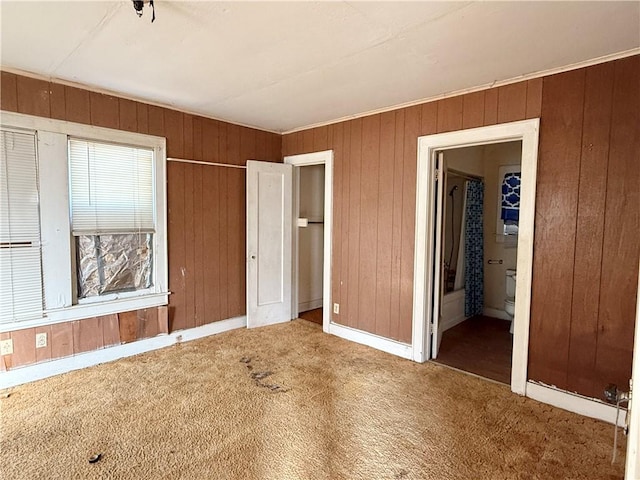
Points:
[(314, 316), (480, 345)]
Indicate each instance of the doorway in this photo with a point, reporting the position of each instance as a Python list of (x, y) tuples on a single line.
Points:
[(480, 216), (309, 180), (428, 269), (311, 239)]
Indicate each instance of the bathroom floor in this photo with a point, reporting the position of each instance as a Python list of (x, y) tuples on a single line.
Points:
[(480, 345)]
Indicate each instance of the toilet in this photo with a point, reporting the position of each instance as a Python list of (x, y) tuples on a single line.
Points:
[(510, 300)]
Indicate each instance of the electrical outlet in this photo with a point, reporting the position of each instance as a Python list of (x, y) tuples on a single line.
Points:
[(41, 340), (336, 308), (6, 347)]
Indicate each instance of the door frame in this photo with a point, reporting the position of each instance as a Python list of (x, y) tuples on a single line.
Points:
[(632, 465), (526, 131), (316, 158)]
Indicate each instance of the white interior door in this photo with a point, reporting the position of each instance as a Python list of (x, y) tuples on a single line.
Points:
[(633, 440), (438, 267), (269, 222)]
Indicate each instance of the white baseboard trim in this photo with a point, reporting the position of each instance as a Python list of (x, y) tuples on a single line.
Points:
[(496, 313), (375, 341), (310, 305), (38, 371), (589, 407), (452, 322)]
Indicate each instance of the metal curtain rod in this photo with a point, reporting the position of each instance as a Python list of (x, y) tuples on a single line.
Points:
[(468, 176), (211, 164)]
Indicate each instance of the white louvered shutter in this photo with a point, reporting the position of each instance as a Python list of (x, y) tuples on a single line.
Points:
[(20, 256), (111, 188)]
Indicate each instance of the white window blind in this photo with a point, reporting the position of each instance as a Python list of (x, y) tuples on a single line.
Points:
[(20, 256), (111, 188)]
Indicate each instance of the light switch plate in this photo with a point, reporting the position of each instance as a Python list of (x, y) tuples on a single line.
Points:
[(336, 308)]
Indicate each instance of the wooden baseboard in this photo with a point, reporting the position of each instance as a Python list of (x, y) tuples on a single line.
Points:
[(380, 343)]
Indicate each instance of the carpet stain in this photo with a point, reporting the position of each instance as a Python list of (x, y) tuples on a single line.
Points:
[(349, 412)]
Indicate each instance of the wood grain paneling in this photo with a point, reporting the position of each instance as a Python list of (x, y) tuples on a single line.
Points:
[(156, 122), (8, 92), (355, 173), (621, 248), (450, 114), (128, 324), (490, 106), (473, 110), (105, 110), (128, 112), (174, 131), (87, 335), (384, 234), (512, 102), (368, 223), (177, 245), (143, 118), (534, 98), (572, 303), (77, 105), (33, 96), (590, 229), (110, 330), (555, 226), (24, 347), (61, 340), (57, 101)]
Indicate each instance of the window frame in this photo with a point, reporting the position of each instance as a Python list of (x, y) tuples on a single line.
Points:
[(58, 250)]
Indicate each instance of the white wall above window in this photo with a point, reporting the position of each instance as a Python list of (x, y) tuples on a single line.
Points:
[(58, 255)]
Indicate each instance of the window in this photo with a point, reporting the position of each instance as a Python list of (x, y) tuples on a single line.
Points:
[(83, 230), (20, 272), (112, 216)]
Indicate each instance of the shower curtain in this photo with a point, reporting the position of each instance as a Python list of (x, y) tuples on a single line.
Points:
[(474, 250)]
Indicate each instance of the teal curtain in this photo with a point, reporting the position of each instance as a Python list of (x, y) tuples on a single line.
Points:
[(474, 250)]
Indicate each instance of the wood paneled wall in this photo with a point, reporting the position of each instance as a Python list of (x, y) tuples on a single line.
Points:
[(70, 338), (206, 204), (586, 226), (375, 195)]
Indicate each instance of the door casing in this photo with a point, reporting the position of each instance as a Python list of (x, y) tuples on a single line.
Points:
[(317, 158), (526, 131)]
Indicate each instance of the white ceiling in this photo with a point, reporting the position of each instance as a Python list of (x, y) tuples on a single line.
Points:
[(285, 65)]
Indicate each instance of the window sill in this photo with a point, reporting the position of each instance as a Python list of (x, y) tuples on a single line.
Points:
[(80, 312)]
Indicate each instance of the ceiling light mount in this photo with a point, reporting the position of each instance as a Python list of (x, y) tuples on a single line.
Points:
[(138, 6)]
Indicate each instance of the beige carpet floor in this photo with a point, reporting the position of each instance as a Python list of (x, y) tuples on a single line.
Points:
[(289, 402)]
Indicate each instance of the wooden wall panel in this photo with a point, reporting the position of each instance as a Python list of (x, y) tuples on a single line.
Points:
[(355, 173), (173, 130), (590, 230), (57, 101), (384, 234), (368, 223), (512, 102), (61, 340), (337, 140), (77, 105), (450, 114), (490, 107), (110, 330), (143, 118), (9, 92), (128, 112), (33, 96), (346, 226), (555, 226), (87, 335), (534, 98), (24, 347), (189, 267), (621, 248), (177, 245), (396, 236), (105, 110), (473, 110)]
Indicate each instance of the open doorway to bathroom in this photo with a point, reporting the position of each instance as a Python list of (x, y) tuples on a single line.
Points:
[(480, 198)]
